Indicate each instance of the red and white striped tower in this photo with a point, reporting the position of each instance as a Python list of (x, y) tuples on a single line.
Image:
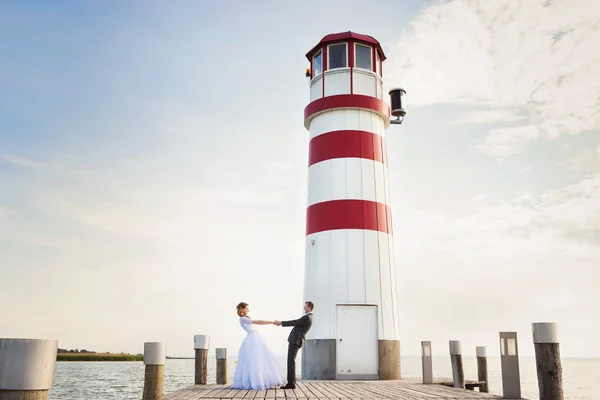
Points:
[(349, 272)]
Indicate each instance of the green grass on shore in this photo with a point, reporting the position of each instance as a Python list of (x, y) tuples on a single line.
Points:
[(97, 357)]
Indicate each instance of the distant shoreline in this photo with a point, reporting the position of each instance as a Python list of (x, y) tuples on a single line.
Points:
[(98, 357), (107, 357)]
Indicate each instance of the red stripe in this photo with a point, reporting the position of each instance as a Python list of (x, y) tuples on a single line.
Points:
[(348, 214), (346, 101), (346, 144)]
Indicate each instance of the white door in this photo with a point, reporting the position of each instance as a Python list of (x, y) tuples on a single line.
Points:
[(357, 345)]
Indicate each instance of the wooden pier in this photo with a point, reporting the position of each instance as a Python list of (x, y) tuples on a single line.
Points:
[(405, 389)]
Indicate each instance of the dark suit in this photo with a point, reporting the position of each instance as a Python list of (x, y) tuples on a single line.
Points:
[(295, 341)]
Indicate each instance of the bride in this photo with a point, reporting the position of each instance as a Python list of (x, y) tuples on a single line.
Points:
[(257, 368)]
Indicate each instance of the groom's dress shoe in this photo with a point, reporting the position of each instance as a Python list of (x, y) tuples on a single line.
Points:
[(288, 386)]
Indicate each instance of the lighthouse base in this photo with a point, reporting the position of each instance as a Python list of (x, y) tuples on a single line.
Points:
[(389, 360), (319, 360)]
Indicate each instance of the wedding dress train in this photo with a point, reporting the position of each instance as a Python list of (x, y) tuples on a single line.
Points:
[(257, 368)]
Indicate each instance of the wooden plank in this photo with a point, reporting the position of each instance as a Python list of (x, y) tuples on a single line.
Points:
[(260, 394), (313, 387), (344, 390), (306, 390), (329, 391), (357, 390), (229, 394), (335, 390), (210, 392), (217, 394), (396, 391), (299, 392), (240, 393)]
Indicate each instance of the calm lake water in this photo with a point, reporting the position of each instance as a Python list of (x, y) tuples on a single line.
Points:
[(125, 380)]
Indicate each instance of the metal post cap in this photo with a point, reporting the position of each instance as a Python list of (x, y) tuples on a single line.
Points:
[(155, 353), (455, 348), (27, 364), (221, 354), (201, 342), (481, 351), (545, 332)]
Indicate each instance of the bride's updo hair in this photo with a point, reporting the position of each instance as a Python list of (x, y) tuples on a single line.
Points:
[(240, 309)]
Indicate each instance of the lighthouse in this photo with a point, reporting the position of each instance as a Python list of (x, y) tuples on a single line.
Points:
[(350, 271)]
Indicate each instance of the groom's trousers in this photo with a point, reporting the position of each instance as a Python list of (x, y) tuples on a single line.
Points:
[(291, 363)]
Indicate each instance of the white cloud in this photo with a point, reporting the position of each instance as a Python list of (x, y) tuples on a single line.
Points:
[(507, 141), (478, 198), (582, 159), (532, 56), (525, 169), (529, 259), (565, 219), (488, 117), (21, 161), (5, 213), (574, 164)]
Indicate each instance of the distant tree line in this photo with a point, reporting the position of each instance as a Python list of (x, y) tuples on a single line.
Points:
[(77, 351)]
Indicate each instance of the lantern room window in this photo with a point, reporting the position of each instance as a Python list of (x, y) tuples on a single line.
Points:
[(364, 57), (337, 56), (317, 64), (378, 63)]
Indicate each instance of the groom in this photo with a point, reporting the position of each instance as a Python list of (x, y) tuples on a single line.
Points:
[(296, 340)]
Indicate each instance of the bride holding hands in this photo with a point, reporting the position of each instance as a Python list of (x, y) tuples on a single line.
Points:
[(257, 368)]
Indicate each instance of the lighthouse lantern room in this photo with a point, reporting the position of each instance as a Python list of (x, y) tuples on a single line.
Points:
[(350, 270)]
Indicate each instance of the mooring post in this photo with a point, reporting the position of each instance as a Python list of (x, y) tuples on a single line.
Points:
[(27, 368), (426, 362), (547, 360), (458, 375), (509, 359), (201, 343), (482, 370), (221, 355), (154, 375)]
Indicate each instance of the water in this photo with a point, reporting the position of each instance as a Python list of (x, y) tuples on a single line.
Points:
[(125, 380)]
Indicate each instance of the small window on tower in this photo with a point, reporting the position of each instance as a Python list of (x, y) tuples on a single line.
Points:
[(337, 56), (317, 64), (378, 65), (364, 57)]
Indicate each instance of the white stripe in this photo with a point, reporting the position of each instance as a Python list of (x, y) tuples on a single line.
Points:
[(346, 119), (347, 178), (350, 266)]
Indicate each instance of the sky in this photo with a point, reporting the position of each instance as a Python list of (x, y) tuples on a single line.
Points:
[(153, 169)]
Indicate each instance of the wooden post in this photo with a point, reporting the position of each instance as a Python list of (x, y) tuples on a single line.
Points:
[(201, 343), (27, 368), (458, 375), (509, 359), (426, 362), (482, 370), (221, 355), (154, 376), (547, 360)]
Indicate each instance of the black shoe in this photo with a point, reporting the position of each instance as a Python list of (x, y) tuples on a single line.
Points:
[(288, 386)]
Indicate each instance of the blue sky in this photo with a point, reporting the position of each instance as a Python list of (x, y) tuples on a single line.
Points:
[(153, 166)]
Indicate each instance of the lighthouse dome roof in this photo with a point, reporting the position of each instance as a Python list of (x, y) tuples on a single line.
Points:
[(343, 36)]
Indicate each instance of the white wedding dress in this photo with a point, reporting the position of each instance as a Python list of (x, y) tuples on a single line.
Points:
[(257, 368)]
